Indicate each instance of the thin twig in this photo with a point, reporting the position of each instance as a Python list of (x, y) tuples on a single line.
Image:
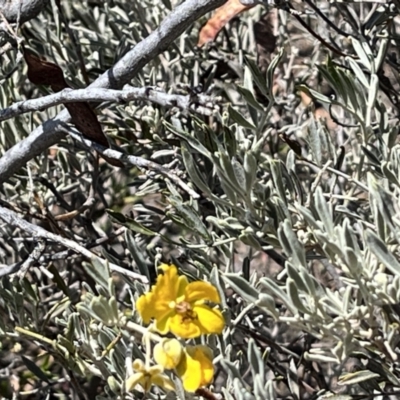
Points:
[(74, 213), (55, 192), (66, 253), (10, 269), (136, 161), (288, 8), (336, 172), (326, 19), (38, 232), (201, 104), (32, 258)]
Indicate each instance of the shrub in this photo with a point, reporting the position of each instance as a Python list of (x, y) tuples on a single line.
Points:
[(225, 226)]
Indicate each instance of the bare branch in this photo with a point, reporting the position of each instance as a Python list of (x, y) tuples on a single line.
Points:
[(10, 217), (201, 104), (10, 269), (136, 161), (122, 72), (24, 10), (32, 258)]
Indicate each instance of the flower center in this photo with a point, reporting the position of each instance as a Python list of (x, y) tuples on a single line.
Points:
[(185, 309)]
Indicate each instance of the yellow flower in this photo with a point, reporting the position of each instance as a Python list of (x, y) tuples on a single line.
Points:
[(181, 307), (168, 353), (196, 368), (146, 377), (192, 364)]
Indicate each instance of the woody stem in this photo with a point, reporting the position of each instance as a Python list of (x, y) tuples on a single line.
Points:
[(131, 326)]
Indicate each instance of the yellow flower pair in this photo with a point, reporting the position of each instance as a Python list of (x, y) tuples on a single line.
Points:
[(187, 310), (180, 307), (192, 364)]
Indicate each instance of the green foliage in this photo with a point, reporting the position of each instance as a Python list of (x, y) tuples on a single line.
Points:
[(297, 223)]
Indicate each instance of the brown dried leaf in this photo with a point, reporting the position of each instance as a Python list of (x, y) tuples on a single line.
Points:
[(222, 16), (85, 120), (41, 72)]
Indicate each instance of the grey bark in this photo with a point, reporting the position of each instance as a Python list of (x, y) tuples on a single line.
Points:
[(37, 232), (116, 77), (25, 9), (201, 104)]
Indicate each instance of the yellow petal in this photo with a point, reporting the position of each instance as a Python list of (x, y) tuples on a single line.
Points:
[(200, 290), (207, 352), (146, 382), (196, 369), (144, 305), (166, 267), (163, 323), (138, 365), (182, 284), (157, 303), (133, 380), (183, 327), (163, 381), (168, 353), (155, 370), (203, 354), (189, 371), (210, 320), (165, 291)]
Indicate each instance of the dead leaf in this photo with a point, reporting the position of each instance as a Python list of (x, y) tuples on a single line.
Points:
[(85, 120), (42, 72), (221, 17)]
